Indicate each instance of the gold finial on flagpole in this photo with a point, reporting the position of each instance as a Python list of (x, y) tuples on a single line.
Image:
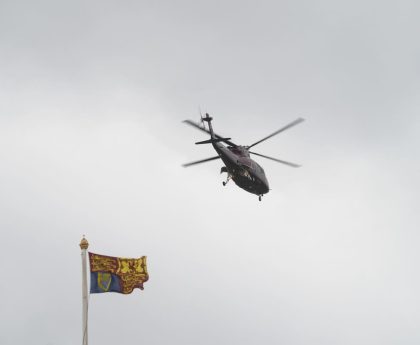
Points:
[(84, 244)]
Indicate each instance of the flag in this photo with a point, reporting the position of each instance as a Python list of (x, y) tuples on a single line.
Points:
[(112, 274)]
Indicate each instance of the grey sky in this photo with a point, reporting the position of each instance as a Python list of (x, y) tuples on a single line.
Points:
[(91, 142)]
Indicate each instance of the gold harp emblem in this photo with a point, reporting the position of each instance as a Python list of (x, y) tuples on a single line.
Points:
[(104, 281)]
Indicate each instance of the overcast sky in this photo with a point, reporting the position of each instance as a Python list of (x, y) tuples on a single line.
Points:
[(92, 98)]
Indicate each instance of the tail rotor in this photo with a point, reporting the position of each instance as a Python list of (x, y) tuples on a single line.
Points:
[(201, 118)]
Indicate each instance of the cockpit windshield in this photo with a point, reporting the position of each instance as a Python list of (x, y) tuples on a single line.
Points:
[(247, 162)]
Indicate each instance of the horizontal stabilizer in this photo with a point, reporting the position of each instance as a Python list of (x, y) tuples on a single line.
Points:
[(196, 125), (216, 140)]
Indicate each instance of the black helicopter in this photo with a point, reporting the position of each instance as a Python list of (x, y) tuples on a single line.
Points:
[(244, 171)]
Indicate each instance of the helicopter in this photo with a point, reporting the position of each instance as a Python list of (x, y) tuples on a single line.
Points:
[(245, 172)]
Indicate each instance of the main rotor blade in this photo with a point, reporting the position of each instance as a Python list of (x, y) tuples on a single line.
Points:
[(277, 160), (196, 125), (201, 161), (294, 123)]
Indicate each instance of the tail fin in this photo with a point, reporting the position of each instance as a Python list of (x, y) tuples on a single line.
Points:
[(208, 119)]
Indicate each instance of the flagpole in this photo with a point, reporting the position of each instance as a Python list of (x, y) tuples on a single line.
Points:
[(84, 244)]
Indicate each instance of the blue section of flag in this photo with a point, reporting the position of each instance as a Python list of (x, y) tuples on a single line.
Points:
[(104, 282)]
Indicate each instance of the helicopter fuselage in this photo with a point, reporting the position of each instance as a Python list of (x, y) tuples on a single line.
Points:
[(245, 172)]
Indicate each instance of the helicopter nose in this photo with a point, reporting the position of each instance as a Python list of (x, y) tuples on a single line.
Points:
[(266, 189), (266, 186)]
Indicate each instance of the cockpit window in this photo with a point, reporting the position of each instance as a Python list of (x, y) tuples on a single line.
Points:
[(239, 150), (246, 162)]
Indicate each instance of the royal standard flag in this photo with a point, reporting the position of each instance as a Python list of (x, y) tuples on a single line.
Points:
[(111, 274)]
